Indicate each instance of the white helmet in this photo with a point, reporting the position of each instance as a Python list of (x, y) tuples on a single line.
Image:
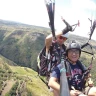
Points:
[(65, 35)]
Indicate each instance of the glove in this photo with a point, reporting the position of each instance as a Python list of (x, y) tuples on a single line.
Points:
[(67, 29)]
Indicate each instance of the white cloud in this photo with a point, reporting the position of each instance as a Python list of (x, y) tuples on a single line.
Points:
[(84, 4), (34, 12), (84, 9), (25, 11)]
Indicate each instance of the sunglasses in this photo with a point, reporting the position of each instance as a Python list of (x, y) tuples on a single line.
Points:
[(64, 38)]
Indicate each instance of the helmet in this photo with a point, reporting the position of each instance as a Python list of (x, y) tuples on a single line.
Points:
[(73, 45)]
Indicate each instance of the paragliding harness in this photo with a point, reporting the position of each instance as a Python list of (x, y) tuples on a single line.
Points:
[(47, 63)]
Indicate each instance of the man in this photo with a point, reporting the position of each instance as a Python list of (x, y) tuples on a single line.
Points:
[(47, 58), (60, 39), (50, 47), (73, 52), (50, 54)]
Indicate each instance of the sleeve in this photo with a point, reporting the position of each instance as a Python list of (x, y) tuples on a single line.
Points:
[(56, 73)]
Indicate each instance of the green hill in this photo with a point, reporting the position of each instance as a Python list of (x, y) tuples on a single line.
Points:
[(20, 80), (21, 43), (19, 47)]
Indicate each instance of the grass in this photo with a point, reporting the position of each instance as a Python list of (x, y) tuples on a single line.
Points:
[(38, 88), (34, 85), (33, 82), (22, 70)]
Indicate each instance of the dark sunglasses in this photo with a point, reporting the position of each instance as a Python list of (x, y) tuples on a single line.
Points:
[(60, 37)]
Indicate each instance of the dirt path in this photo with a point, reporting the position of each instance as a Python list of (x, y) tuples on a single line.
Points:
[(8, 87)]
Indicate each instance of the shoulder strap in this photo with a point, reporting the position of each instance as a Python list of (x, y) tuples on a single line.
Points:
[(63, 46), (51, 49), (68, 70), (42, 52), (82, 66)]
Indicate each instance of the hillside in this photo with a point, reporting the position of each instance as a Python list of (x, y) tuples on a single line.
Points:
[(20, 80), (19, 47), (21, 43)]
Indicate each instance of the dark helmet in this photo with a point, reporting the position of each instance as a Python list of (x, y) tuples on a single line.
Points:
[(73, 45)]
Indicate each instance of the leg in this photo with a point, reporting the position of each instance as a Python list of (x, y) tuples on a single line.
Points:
[(55, 93)]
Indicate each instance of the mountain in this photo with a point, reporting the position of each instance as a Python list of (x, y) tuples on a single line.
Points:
[(21, 43), (19, 48), (21, 81)]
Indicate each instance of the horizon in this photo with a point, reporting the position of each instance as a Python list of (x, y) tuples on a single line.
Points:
[(43, 27), (34, 12)]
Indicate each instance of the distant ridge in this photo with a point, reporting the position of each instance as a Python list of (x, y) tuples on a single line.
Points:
[(21, 43), (8, 22)]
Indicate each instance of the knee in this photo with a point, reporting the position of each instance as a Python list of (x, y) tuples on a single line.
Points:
[(55, 93)]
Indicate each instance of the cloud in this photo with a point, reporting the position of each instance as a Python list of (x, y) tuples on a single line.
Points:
[(84, 4), (82, 10), (34, 12), (25, 11)]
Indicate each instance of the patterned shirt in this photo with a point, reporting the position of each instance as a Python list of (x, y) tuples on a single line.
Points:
[(76, 75)]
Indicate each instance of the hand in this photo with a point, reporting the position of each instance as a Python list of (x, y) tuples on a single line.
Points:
[(74, 92), (90, 82)]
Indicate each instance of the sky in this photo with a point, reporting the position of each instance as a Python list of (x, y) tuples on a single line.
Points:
[(34, 12)]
